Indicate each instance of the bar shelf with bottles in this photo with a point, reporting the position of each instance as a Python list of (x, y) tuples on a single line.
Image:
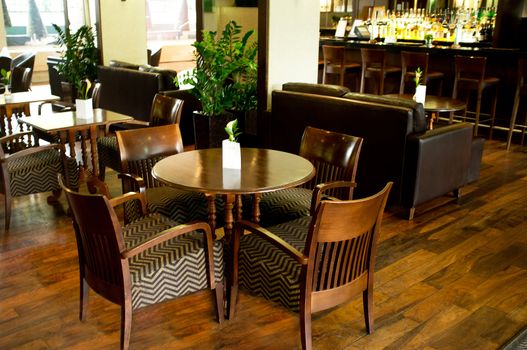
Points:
[(467, 25)]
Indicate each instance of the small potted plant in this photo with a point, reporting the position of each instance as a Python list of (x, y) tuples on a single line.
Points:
[(420, 89), (84, 103), (231, 153), (6, 75)]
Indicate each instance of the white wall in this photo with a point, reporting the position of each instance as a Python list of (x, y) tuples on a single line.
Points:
[(123, 27), (293, 42)]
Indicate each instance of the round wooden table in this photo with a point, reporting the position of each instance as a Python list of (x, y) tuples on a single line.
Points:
[(438, 104), (262, 170)]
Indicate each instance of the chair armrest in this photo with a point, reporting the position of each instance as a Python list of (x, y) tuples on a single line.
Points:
[(137, 181), (321, 188), (170, 233), (134, 122), (20, 135), (32, 150), (64, 106), (129, 196), (278, 242)]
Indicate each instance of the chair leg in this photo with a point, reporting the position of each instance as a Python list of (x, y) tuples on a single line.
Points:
[(324, 76), (493, 112), (411, 213), (478, 110), (362, 77), (83, 298), (305, 327), (102, 171), (126, 324), (7, 201), (367, 302), (218, 299), (513, 119)]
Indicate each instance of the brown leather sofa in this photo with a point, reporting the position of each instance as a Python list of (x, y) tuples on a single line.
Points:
[(423, 164)]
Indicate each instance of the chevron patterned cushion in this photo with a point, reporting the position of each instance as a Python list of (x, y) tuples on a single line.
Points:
[(267, 271), (171, 269), (282, 206), (37, 173), (108, 151)]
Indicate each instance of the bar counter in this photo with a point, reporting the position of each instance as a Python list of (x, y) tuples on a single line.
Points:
[(501, 63)]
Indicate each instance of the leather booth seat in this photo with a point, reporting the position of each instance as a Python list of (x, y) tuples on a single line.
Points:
[(423, 164)]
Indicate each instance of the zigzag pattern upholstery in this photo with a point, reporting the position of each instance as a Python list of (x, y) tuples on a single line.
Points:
[(154, 271), (267, 271), (284, 205), (37, 173), (108, 152)]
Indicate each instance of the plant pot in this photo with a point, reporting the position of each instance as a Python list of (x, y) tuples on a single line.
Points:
[(246, 3), (420, 94), (209, 132), (84, 108), (231, 155)]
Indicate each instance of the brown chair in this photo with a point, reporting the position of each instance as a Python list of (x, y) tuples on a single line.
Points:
[(145, 262), (165, 111), (140, 150), (334, 156), (521, 91), (27, 170), (312, 263), (335, 63), (470, 76), (374, 66), (410, 61)]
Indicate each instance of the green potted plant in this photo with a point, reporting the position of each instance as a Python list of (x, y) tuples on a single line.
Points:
[(231, 153), (5, 79), (420, 89), (224, 68), (79, 58)]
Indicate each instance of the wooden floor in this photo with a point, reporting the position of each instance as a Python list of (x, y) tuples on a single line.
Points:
[(453, 278)]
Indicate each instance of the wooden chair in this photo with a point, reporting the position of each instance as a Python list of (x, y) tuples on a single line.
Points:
[(140, 150), (335, 63), (145, 262), (165, 110), (312, 263), (27, 170), (410, 61), (374, 66), (334, 156), (470, 76), (521, 91)]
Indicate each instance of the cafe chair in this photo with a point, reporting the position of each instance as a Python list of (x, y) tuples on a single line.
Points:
[(521, 91), (312, 263), (334, 156), (165, 111), (470, 77), (20, 63), (145, 262), (140, 150), (410, 62), (335, 63), (374, 66), (28, 170)]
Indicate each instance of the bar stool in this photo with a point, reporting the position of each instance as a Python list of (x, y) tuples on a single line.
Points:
[(335, 63), (374, 66), (410, 61), (470, 75), (521, 90)]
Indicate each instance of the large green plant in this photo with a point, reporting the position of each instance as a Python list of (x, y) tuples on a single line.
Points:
[(80, 57), (225, 73)]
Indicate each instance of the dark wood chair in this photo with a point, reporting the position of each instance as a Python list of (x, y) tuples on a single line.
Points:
[(374, 66), (312, 263), (335, 63), (140, 150), (470, 76), (334, 156), (410, 61), (145, 262), (521, 91), (27, 170), (165, 111)]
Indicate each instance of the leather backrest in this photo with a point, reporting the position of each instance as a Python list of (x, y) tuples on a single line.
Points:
[(167, 76), (122, 64), (318, 89), (128, 91), (384, 128), (417, 123), (191, 104)]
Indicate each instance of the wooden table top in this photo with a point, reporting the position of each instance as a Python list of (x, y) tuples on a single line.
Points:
[(262, 170), (53, 122), (27, 97), (436, 103)]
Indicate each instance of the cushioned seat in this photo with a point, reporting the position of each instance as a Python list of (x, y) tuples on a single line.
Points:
[(151, 270)]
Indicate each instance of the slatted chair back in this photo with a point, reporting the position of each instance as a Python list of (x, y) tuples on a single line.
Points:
[(341, 247), (165, 110), (99, 244), (141, 149), (334, 155)]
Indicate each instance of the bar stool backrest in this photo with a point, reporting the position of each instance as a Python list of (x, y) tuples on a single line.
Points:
[(410, 61), (522, 73), (373, 57), (333, 54), (470, 68)]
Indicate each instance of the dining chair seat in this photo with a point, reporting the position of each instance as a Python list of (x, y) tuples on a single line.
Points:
[(151, 270)]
